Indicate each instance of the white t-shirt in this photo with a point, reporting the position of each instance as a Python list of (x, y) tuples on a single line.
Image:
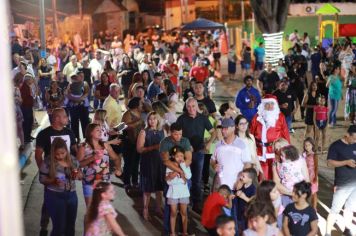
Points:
[(231, 157)]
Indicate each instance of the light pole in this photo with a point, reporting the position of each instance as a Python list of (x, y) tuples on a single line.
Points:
[(42, 29)]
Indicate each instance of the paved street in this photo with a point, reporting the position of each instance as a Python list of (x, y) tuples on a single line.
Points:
[(130, 208)]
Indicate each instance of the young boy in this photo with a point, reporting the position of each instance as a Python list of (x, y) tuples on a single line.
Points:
[(299, 218), (244, 195), (225, 225), (213, 207)]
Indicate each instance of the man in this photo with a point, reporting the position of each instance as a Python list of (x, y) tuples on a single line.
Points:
[(78, 103), (43, 149), (296, 84), (315, 62), (231, 155), (342, 156), (171, 70), (154, 88), (267, 126), (287, 102), (165, 146), (199, 71), (71, 67), (259, 54), (294, 37), (267, 81), (289, 59), (248, 99), (112, 106), (96, 65), (194, 126), (201, 98)]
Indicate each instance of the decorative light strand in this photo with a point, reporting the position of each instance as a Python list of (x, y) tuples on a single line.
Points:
[(273, 47)]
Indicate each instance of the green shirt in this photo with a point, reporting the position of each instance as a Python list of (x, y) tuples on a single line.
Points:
[(335, 87), (167, 143)]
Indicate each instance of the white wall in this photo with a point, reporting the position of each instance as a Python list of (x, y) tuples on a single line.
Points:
[(300, 9)]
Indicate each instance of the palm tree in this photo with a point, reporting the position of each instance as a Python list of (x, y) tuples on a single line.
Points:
[(271, 17)]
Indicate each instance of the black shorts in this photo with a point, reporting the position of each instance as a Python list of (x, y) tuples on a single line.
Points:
[(321, 124), (216, 55)]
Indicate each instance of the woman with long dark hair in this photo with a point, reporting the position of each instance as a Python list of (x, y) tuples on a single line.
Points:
[(309, 101), (334, 84), (101, 215), (126, 72), (110, 71), (95, 155)]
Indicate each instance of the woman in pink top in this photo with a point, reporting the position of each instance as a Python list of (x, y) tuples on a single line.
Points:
[(320, 120)]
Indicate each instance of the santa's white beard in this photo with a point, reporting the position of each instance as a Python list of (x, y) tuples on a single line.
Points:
[(270, 117)]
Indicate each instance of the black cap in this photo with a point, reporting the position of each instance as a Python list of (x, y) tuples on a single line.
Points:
[(352, 129)]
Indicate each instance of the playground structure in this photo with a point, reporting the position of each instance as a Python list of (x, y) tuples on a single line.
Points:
[(338, 30)]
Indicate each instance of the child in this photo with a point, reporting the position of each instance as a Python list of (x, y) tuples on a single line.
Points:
[(268, 194), (225, 226), (244, 195), (299, 218), (100, 119), (211, 86), (257, 215), (178, 192), (320, 121), (312, 163), (58, 175), (213, 207), (101, 216)]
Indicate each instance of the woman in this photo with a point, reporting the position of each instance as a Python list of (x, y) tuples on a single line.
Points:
[(146, 77), (136, 79), (309, 101), (110, 71), (94, 155), (350, 104), (45, 74), (346, 57), (102, 90), (291, 170), (151, 166), (335, 93), (243, 133), (132, 118), (126, 72), (172, 96), (58, 174), (165, 117), (54, 96)]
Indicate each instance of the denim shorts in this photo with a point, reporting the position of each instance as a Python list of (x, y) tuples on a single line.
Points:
[(87, 190), (172, 201), (259, 65), (321, 124), (344, 195)]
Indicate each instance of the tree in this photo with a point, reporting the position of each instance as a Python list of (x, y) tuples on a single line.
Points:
[(271, 17)]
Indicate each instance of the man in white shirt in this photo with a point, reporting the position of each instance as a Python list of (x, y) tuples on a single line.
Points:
[(231, 155), (71, 67), (294, 37), (97, 65)]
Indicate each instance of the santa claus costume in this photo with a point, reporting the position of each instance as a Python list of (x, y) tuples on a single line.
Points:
[(267, 126)]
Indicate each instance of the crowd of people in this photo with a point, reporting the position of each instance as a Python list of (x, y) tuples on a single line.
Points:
[(235, 166)]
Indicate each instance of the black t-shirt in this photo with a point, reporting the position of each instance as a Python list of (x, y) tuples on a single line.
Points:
[(299, 221), (287, 97), (87, 75), (340, 151), (242, 204), (210, 105), (46, 136), (193, 129), (269, 81)]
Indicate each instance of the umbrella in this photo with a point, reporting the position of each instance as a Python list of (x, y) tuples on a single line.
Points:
[(202, 24)]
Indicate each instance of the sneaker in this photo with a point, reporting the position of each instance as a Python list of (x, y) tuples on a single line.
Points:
[(291, 131)]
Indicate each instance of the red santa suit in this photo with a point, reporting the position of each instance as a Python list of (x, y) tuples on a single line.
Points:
[(266, 134)]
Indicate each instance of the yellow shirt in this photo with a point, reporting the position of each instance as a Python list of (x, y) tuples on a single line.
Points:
[(113, 111)]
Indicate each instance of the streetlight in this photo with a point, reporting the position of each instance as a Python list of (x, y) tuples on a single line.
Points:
[(42, 29)]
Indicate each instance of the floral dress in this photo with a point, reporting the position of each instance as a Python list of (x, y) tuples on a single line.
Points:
[(99, 225), (97, 170), (290, 173)]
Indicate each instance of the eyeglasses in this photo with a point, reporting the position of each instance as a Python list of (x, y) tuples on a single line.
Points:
[(243, 123)]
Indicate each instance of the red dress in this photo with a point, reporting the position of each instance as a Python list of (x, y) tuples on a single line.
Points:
[(264, 140)]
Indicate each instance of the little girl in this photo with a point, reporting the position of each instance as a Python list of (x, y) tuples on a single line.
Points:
[(258, 215), (99, 118), (299, 218), (320, 121), (101, 215), (58, 175), (178, 192), (312, 163)]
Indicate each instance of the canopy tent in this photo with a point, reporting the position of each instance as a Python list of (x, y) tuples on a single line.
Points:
[(202, 24)]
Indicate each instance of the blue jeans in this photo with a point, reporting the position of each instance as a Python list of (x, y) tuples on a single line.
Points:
[(289, 121), (197, 170), (334, 104), (96, 101), (62, 208)]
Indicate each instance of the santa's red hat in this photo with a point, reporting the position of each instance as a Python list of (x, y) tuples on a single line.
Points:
[(269, 98)]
